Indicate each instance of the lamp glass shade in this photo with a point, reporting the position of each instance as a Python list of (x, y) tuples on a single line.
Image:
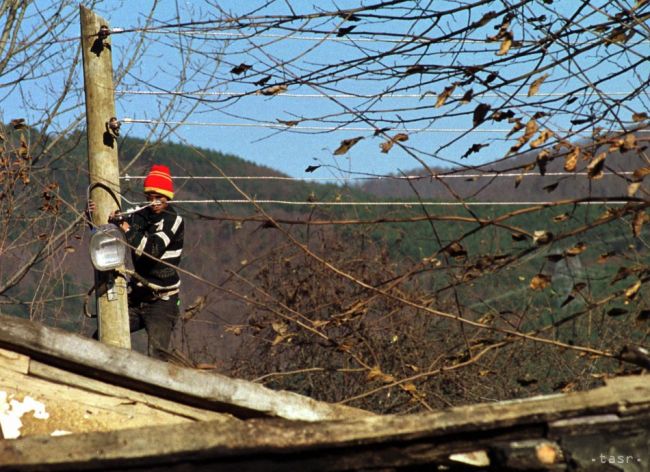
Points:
[(107, 247)]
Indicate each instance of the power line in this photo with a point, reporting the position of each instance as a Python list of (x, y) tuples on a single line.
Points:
[(304, 128), (386, 203), (490, 175), (299, 129), (341, 95)]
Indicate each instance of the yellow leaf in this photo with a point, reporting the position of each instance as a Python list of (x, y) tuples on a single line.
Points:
[(540, 282), (544, 135), (531, 129), (571, 159), (534, 87), (346, 144), (506, 44), (446, 93), (633, 188), (633, 290)]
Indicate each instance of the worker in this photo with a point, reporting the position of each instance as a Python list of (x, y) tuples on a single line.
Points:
[(155, 235)]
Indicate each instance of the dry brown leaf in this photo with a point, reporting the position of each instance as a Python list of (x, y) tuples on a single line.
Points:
[(446, 93), (542, 160), (541, 237), (346, 144), (387, 145), (409, 387), (516, 127), (595, 167), (289, 123), (540, 282), (18, 123), (506, 44), (240, 69), (274, 90), (576, 250), (534, 87), (629, 143), (640, 174), (234, 329), (280, 338), (467, 97), (560, 218), (480, 112), (280, 327), (485, 19), (544, 135), (637, 117), (571, 159), (633, 188), (531, 129), (605, 257), (640, 218), (518, 180), (456, 249), (376, 374)]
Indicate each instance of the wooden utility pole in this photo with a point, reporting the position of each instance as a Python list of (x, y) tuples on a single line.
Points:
[(113, 316)]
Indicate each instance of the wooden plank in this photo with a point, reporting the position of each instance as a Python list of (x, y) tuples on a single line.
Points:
[(385, 441), (13, 360), (73, 409), (135, 371), (60, 376)]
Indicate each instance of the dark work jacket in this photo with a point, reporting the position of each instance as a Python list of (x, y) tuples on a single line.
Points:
[(160, 236)]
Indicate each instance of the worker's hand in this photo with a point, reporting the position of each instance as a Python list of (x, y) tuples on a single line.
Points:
[(118, 220)]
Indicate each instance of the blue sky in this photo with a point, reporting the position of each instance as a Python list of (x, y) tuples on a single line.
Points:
[(241, 126)]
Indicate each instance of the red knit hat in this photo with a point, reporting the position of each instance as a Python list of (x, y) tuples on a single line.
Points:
[(159, 180)]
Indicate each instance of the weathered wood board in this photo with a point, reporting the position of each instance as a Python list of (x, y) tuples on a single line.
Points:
[(132, 370), (545, 433)]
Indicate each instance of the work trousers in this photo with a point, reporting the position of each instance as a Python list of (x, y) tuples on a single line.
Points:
[(157, 316)]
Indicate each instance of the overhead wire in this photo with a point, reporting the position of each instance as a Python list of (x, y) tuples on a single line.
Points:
[(298, 128), (490, 175)]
